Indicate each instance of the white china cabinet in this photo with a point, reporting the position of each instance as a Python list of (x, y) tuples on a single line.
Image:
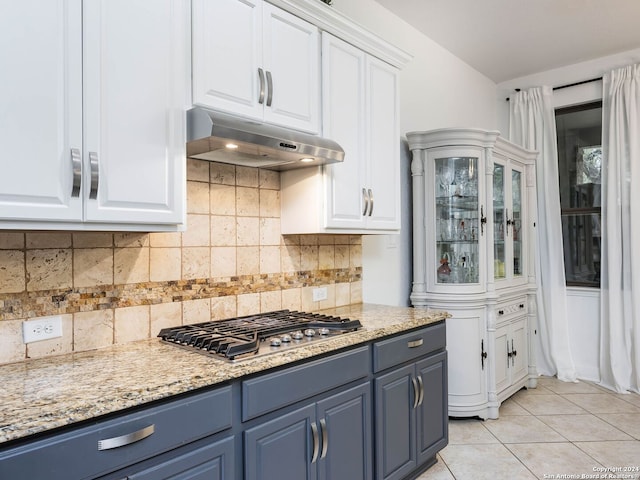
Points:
[(474, 219), (92, 130), (256, 60)]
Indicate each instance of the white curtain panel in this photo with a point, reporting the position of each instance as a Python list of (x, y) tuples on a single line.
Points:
[(533, 125), (620, 263)]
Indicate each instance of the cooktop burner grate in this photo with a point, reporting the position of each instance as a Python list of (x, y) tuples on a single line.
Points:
[(244, 335)]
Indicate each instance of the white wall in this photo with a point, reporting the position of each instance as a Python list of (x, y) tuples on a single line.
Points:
[(583, 303), (436, 90)]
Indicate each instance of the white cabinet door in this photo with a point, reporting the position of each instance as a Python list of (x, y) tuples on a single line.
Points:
[(256, 60), (134, 103), (502, 358), (41, 105), (227, 53), (383, 145), (343, 120), (519, 350), (291, 59)]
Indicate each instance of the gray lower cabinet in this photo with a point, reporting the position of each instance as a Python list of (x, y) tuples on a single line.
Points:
[(210, 462), (411, 408), (322, 419), (140, 437)]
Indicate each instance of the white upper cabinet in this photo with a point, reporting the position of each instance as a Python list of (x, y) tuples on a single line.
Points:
[(41, 105), (360, 112), (93, 97), (253, 59)]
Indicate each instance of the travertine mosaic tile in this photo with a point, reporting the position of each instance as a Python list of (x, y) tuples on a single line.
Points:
[(12, 271), (197, 197), (49, 269)]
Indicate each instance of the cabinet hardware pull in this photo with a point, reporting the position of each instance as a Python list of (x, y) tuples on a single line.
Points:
[(415, 343), (261, 76), (509, 221), (366, 202), (483, 354), (325, 438), (269, 88), (483, 220), (521, 305), (95, 175), (513, 354), (76, 166), (128, 439), (316, 446), (421, 385), (370, 202), (500, 312), (416, 393)]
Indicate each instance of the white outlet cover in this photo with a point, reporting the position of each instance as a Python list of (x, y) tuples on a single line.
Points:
[(42, 328)]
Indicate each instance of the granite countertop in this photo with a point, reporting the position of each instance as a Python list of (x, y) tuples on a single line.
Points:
[(46, 393)]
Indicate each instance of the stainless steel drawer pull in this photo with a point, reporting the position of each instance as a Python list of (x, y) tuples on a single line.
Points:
[(416, 392), (370, 202), (415, 343), (129, 438), (261, 77), (95, 175), (269, 88), (365, 197), (325, 438), (76, 165), (316, 442), (421, 396)]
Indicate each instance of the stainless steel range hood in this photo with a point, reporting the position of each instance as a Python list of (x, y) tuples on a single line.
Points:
[(224, 138)]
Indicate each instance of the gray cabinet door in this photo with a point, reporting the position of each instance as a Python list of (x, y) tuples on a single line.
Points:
[(395, 424), (282, 448), (345, 420), (432, 418), (212, 462)]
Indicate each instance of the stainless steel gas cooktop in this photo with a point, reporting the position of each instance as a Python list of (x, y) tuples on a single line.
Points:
[(264, 333)]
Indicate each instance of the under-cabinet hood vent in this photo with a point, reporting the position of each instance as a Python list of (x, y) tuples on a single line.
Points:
[(218, 137)]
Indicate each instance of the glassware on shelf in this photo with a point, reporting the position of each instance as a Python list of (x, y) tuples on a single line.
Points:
[(445, 177)]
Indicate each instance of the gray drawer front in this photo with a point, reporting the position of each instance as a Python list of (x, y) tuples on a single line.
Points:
[(410, 346), (275, 390), (75, 455)]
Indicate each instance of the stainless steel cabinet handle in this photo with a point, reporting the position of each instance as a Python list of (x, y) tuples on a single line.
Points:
[(316, 442), (76, 165), (415, 343), (421, 385), (366, 201), (129, 438), (416, 393), (325, 438), (261, 76), (95, 175), (370, 202), (269, 88)]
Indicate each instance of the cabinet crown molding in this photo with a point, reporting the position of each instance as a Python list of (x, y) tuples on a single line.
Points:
[(330, 20)]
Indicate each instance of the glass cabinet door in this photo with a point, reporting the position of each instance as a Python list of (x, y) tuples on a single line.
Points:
[(516, 221), (457, 233), (499, 222)]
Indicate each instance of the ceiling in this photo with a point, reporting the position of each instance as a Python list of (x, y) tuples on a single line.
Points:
[(507, 39)]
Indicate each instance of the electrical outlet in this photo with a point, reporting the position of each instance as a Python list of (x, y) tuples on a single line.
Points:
[(319, 293), (42, 328)]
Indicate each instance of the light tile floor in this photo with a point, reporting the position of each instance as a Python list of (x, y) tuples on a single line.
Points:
[(558, 430)]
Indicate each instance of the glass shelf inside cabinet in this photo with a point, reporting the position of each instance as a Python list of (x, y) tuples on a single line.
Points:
[(457, 219), (499, 223)]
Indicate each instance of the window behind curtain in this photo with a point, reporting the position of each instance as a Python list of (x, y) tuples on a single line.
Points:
[(579, 132)]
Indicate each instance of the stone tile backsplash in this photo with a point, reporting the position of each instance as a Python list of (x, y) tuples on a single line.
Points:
[(120, 287)]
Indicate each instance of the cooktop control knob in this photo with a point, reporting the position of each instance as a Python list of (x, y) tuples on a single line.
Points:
[(309, 332), (275, 342), (286, 338), (297, 335), (323, 331)]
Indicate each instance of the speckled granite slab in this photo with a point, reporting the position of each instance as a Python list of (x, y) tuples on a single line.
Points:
[(42, 394)]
